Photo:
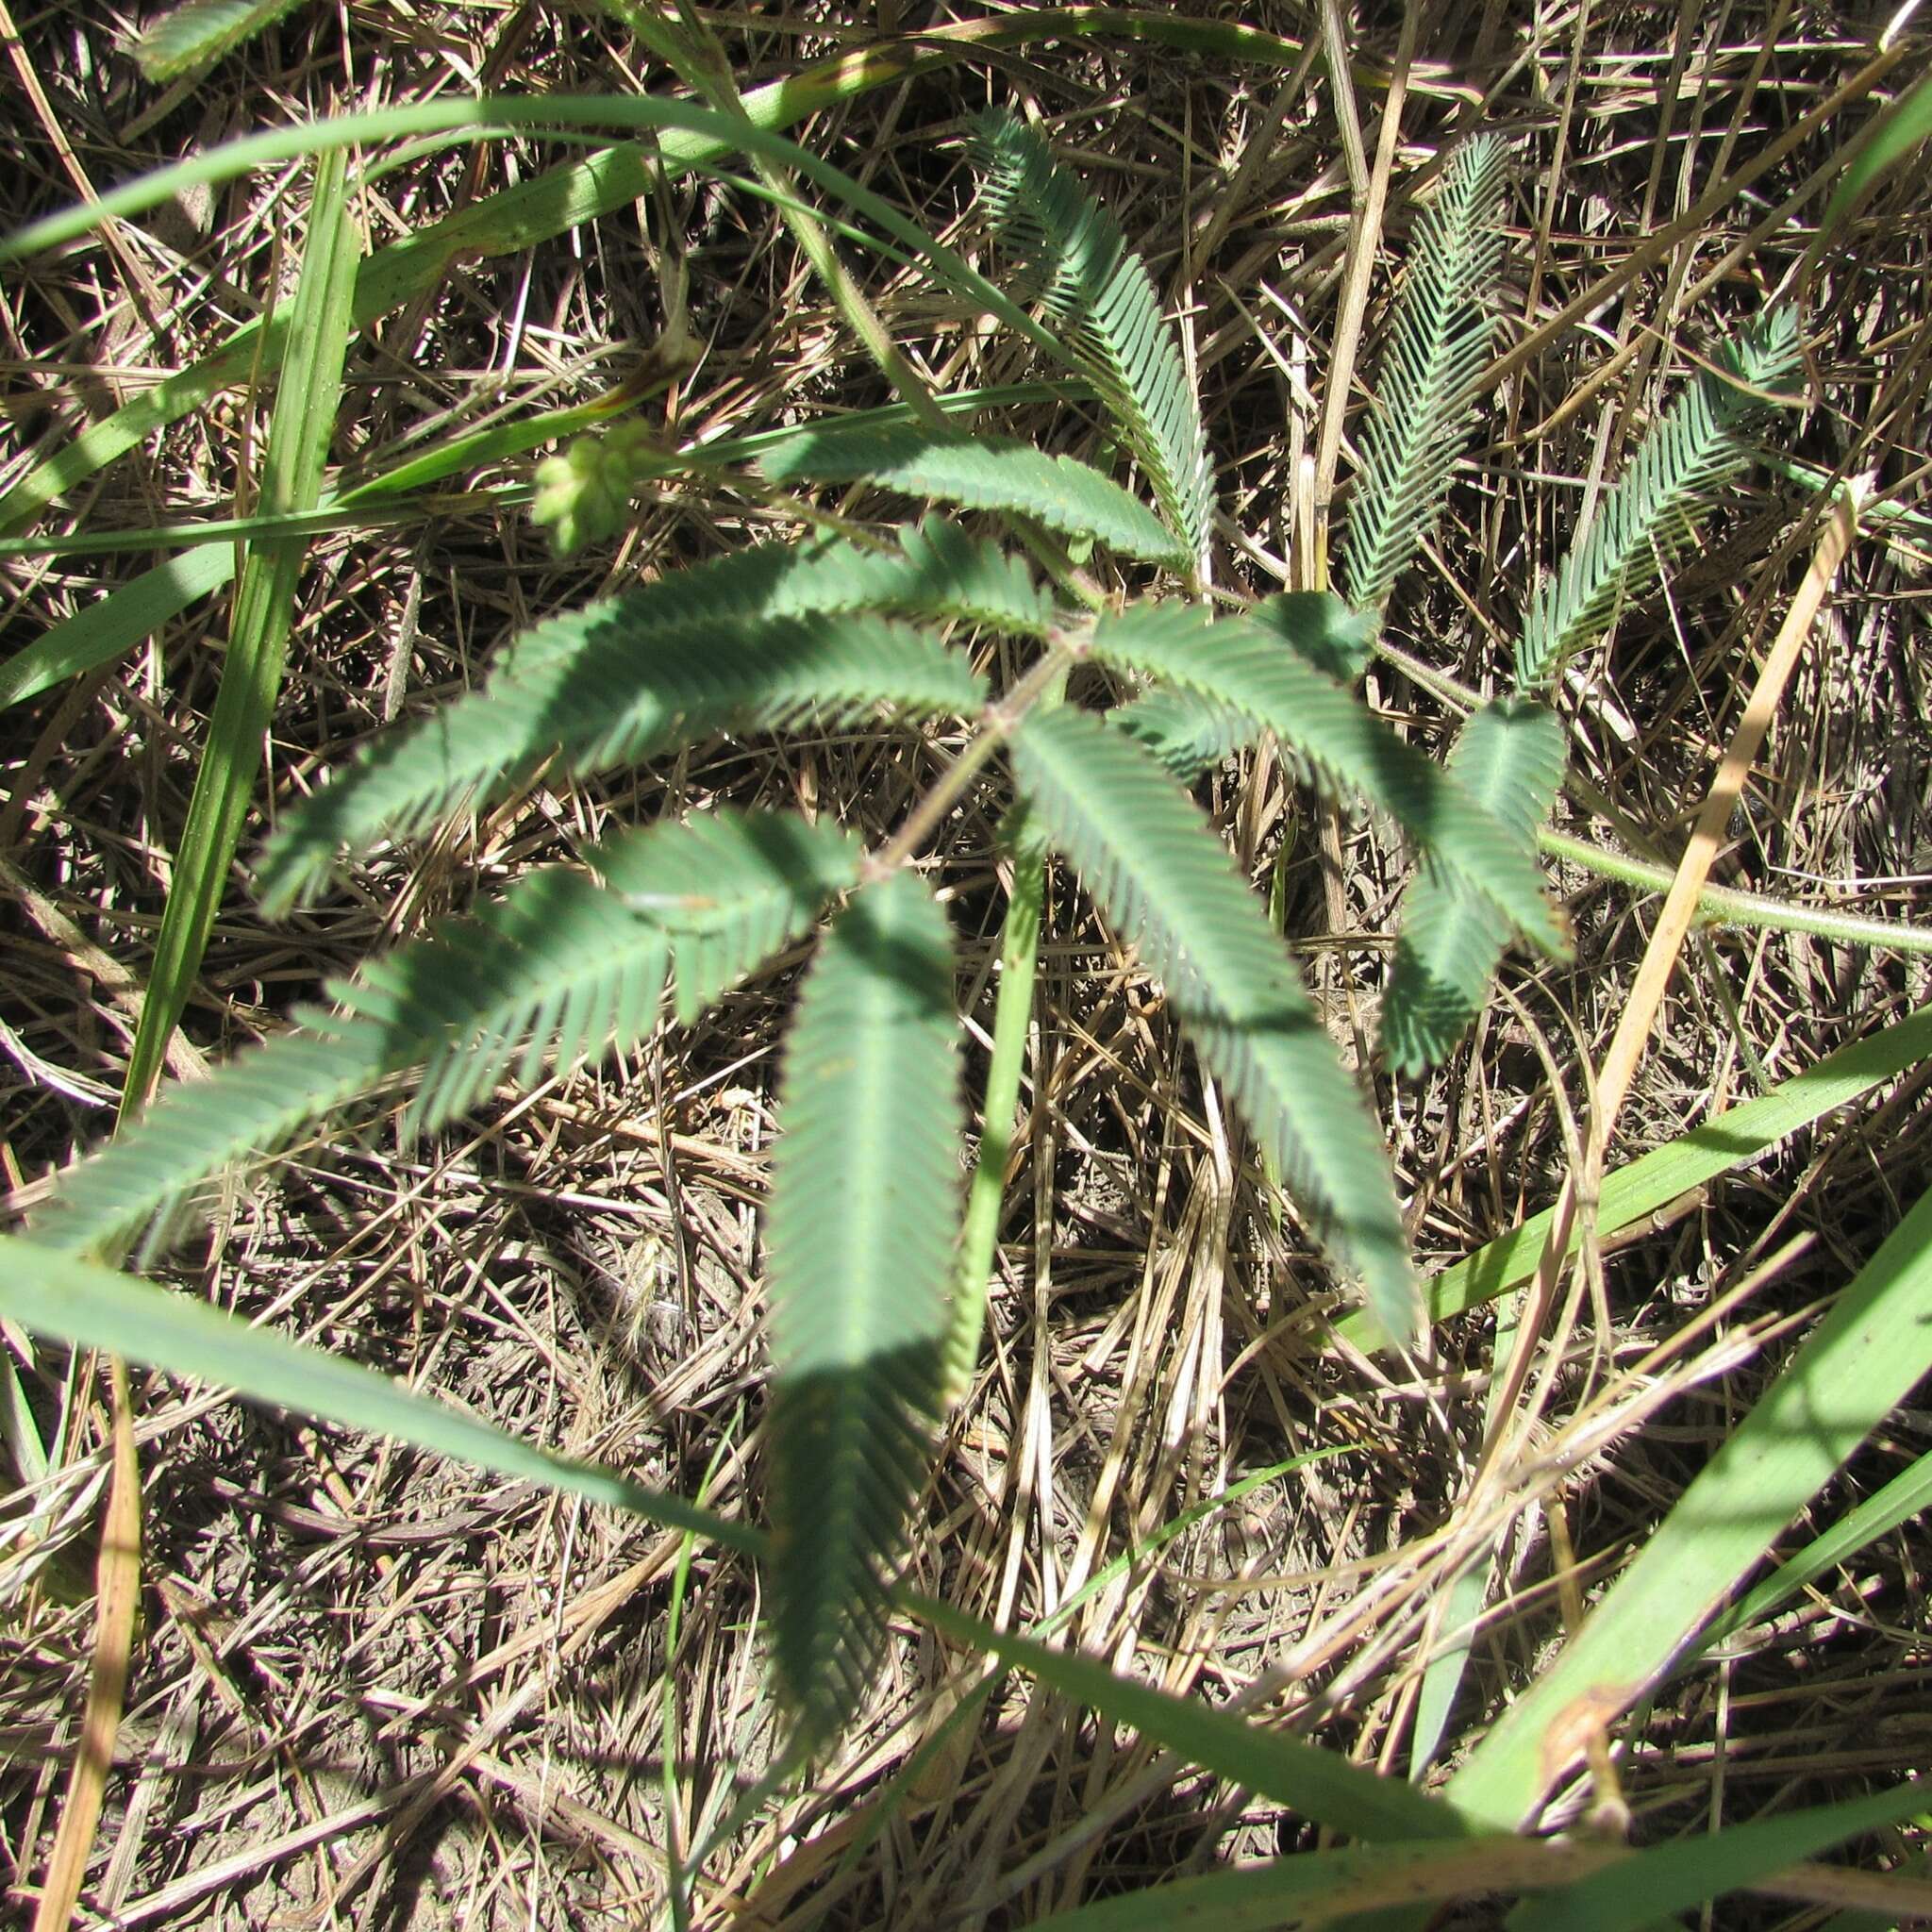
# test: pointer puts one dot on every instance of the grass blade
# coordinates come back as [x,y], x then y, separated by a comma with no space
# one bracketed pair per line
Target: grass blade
[305,415]
[116,623]
[1841,1384]
[79,1302]
[1735,1136]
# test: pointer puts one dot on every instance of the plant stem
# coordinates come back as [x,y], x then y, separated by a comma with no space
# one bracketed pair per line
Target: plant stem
[1019,962]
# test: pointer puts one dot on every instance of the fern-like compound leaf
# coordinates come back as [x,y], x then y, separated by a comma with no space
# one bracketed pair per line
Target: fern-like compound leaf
[981,473]
[606,686]
[1168,887]
[1095,289]
[561,968]
[1509,758]
[1438,347]
[1702,440]
[864,1210]
[1237,664]
[199,32]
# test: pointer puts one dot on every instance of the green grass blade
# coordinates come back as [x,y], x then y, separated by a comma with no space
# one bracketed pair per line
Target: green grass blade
[980,472]
[115,623]
[1840,1384]
[299,433]
[1168,886]
[1242,665]
[860,1230]
[1322,1785]
[1904,1498]
[1640,1893]
[1904,125]
[78,1301]
[1654,1180]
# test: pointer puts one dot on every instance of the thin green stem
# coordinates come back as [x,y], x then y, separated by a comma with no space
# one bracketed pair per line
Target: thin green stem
[1723,905]
[1012,1011]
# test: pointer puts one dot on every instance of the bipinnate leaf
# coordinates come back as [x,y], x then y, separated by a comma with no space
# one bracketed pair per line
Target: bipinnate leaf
[1187,732]
[1098,291]
[859,1238]
[1509,758]
[1169,887]
[1235,663]
[1439,341]
[561,968]
[980,472]
[606,686]
[199,32]
[1702,440]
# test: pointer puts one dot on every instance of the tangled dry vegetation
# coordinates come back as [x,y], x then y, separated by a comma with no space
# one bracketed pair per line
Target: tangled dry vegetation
[371,1689]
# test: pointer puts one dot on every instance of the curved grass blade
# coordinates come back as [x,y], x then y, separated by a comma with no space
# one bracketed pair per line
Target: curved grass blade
[87,1306]
[1509,758]
[299,435]
[1653,1181]
[1156,869]
[1838,1385]
[861,1231]
[981,473]
[1242,665]
[115,623]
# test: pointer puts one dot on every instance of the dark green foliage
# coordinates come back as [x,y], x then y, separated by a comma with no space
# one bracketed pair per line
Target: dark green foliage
[604,688]
[1438,348]
[981,473]
[1509,758]
[865,1198]
[1702,440]
[1075,264]
[1168,887]
[1240,666]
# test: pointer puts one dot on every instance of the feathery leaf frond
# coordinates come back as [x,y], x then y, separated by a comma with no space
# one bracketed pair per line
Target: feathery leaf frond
[981,473]
[1704,439]
[605,687]
[1098,291]
[560,968]
[1239,664]
[1187,732]
[1509,758]
[864,1208]
[199,32]
[1163,879]
[1439,346]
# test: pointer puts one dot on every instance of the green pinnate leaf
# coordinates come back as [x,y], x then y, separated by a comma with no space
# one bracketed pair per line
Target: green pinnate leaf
[1169,887]
[864,1210]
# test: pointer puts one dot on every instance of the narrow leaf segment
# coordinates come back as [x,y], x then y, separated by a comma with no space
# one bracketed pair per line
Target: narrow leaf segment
[1096,289]
[1438,347]
[1242,665]
[981,473]
[1167,885]
[1510,760]
[561,969]
[864,1210]
[1702,441]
